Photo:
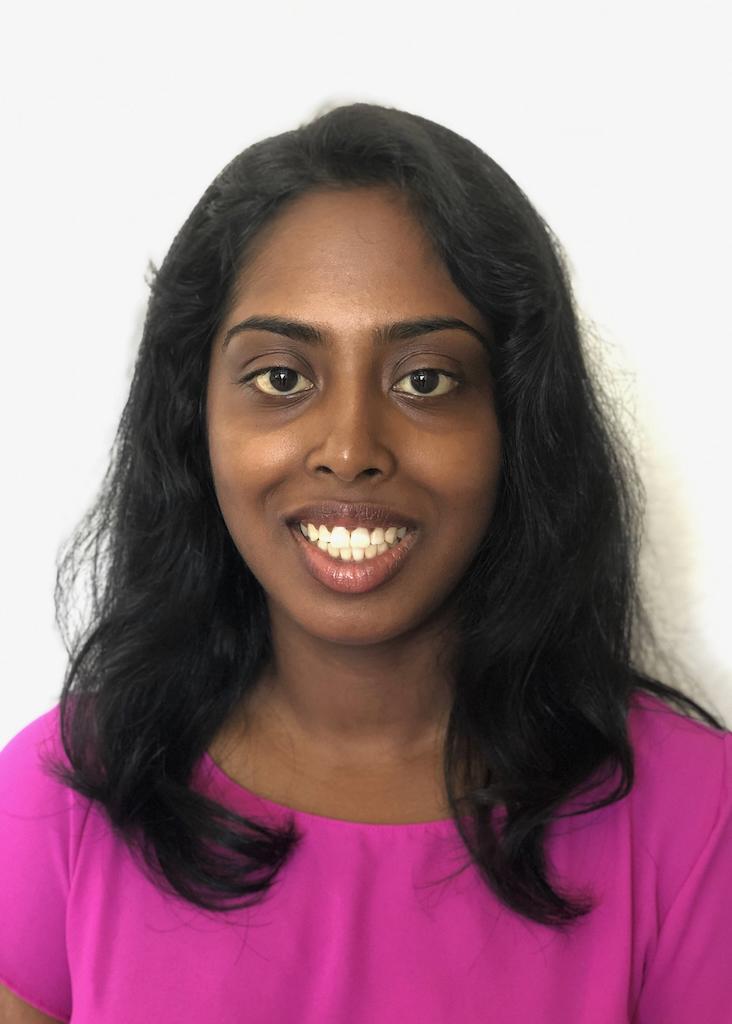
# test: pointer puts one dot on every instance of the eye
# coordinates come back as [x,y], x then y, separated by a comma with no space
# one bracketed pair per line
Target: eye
[274,380]
[278,380]
[426,379]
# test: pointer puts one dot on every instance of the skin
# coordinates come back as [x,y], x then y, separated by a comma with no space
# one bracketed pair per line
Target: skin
[14,1010]
[350,716]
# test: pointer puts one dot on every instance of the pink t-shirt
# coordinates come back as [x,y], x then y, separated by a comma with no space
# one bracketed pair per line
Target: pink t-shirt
[353,933]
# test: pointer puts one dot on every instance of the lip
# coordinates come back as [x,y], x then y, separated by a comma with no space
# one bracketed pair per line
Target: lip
[350,514]
[353,577]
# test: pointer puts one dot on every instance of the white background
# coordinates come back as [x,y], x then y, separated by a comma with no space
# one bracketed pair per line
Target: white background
[613,117]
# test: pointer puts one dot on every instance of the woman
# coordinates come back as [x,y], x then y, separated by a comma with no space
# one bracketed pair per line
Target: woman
[354,732]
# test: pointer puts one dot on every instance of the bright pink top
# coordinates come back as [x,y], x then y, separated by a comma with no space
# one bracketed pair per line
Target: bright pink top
[352,932]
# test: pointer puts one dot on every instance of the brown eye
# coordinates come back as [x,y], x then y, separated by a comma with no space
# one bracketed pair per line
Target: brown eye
[275,380]
[425,382]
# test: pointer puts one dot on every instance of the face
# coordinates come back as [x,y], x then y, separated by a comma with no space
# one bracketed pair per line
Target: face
[336,412]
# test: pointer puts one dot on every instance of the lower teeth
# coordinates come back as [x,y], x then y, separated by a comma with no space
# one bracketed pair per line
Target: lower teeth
[353,554]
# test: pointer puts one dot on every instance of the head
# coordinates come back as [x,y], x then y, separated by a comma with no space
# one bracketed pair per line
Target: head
[362,218]
[348,417]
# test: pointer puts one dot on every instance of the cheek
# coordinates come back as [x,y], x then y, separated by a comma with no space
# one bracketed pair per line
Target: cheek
[237,468]
[464,469]
[240,467]
[241,457]
[247,469]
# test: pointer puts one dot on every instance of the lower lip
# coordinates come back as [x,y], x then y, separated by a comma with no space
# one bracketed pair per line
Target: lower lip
[353,577]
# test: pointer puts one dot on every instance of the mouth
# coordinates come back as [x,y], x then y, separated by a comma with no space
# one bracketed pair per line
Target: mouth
[357,575]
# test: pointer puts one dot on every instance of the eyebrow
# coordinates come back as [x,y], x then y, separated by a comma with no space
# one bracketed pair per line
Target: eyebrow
[399,330]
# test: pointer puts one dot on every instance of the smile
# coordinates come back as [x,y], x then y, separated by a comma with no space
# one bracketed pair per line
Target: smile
[370,564]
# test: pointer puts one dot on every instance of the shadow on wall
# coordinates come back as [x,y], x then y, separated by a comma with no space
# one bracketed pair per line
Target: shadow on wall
[672,577]
[672,582]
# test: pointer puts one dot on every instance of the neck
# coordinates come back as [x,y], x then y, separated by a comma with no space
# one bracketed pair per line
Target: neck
[384,703]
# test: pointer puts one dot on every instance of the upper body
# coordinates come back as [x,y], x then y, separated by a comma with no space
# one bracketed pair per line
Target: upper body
[365,504]
[356,931]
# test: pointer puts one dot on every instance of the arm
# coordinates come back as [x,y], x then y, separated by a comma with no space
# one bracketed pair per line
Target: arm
[688,977]
[40,824]
[14,1010]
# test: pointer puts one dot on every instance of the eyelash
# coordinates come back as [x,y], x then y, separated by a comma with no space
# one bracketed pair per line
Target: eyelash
[249,379]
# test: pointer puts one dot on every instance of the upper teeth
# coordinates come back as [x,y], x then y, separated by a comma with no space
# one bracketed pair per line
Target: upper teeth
[359,542]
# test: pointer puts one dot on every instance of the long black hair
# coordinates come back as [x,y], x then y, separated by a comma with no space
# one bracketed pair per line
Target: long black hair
[176,629]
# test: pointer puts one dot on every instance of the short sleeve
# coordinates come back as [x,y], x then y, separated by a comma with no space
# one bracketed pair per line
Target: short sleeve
[39,818]
[689,975]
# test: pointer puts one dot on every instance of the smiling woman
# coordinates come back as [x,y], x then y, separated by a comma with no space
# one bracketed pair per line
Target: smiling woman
[365,601]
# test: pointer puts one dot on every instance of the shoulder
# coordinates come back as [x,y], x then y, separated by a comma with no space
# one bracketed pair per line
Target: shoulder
[23,758]
[43,729]
[679,761]
[681,800]
[29,790]
[680,818]
[675,754]
[42,823]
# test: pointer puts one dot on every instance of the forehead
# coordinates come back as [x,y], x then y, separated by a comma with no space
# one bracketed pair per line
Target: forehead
[357,246]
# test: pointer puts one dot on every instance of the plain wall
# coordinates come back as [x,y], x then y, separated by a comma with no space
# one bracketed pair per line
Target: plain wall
[612,117]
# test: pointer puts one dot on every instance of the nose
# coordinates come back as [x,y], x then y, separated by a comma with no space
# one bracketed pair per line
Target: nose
[350,434]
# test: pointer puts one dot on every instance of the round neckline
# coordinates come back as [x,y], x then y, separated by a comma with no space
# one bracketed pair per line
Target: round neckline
[283,809]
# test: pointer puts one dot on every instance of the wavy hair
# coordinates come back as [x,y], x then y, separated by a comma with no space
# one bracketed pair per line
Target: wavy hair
[175,630]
